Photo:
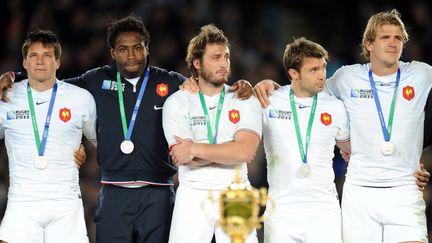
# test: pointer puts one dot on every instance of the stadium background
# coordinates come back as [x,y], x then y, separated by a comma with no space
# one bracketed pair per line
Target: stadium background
[258,33]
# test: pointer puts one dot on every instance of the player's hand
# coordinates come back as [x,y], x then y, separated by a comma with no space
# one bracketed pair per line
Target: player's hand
[422,177]
[6,81]
[181,152]
[242,88]
[80,156]
[190,85]
[264,89]
[346,156]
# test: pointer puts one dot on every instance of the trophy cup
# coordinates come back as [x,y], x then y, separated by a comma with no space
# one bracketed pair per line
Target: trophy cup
[239,209]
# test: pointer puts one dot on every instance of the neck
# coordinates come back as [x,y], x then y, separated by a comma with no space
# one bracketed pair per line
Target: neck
[301,93]
[41,85]
[382,69]
[208,88]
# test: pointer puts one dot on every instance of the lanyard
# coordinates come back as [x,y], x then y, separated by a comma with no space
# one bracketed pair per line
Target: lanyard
[127,132]
[386,131]
[40,146]
[303,150]
[212,140]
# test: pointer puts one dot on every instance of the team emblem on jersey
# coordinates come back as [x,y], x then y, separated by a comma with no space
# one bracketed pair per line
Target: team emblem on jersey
[65,114]
[234,116]
[326,118]
[162,89]
[408,92]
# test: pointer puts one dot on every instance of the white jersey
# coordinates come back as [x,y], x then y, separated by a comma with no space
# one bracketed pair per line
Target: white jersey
[330,123]
[74,113]
[368,166]
[183,116]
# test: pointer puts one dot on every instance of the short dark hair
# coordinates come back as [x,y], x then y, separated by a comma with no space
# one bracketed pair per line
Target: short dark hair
[127,24]
[297,50]
[46,37]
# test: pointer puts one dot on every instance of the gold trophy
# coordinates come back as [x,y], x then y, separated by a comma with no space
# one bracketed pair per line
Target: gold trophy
[239,209]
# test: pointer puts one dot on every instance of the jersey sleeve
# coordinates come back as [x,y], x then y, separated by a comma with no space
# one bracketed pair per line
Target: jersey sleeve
[175,118]
[89,123]
[2,132]
[428,122]
[333,84]
[251,116]
[344,132]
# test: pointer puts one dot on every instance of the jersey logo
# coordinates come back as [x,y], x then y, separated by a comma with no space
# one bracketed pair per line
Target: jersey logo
[18,115]
[362,93]
[111,85]
[234,116]
[408,92]
[326,118]
[65,114]
[162,89]
[280,114]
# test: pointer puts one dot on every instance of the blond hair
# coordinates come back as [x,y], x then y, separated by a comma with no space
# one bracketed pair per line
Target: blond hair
[391,17]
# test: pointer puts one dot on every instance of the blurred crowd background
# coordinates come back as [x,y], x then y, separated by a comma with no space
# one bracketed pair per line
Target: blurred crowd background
[258,33]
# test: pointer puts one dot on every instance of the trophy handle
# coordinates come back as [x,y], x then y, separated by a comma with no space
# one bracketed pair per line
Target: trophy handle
[265,199]
[206,204]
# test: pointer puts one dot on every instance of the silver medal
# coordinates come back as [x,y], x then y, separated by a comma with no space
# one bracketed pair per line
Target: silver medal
[41,162]
[127,146]
[304,170]
[387,148]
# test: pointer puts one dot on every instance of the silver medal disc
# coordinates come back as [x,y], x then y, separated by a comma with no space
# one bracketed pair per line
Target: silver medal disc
[41,162]
[127,146]
[387,148]
[304,170]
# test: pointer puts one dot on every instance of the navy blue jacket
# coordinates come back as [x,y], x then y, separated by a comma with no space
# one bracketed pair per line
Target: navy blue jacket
[150,160]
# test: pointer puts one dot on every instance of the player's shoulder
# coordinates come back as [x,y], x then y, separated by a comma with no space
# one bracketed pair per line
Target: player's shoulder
[353,68]
[330,100]
[168,76]
[414,66]
[283,91]
[73,90]
[179,97]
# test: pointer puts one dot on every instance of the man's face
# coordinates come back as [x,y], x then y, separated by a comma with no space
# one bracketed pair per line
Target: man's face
[312,75]
[215,65]
[130,53]
[40,63]
[387,46]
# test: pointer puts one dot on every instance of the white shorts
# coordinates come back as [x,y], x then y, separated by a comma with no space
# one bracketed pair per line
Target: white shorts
[43,224]
[195,222]
[394,214]
[305,227]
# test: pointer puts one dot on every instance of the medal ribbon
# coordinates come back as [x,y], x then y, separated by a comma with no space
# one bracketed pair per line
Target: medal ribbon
[303,150]
[386,131]
[127,132]
[40,146]
[212,140]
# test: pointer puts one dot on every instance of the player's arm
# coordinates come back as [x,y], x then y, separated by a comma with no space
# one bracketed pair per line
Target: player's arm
[264,89]
[345,149]
[242,149]
[80,156]
[422,175]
